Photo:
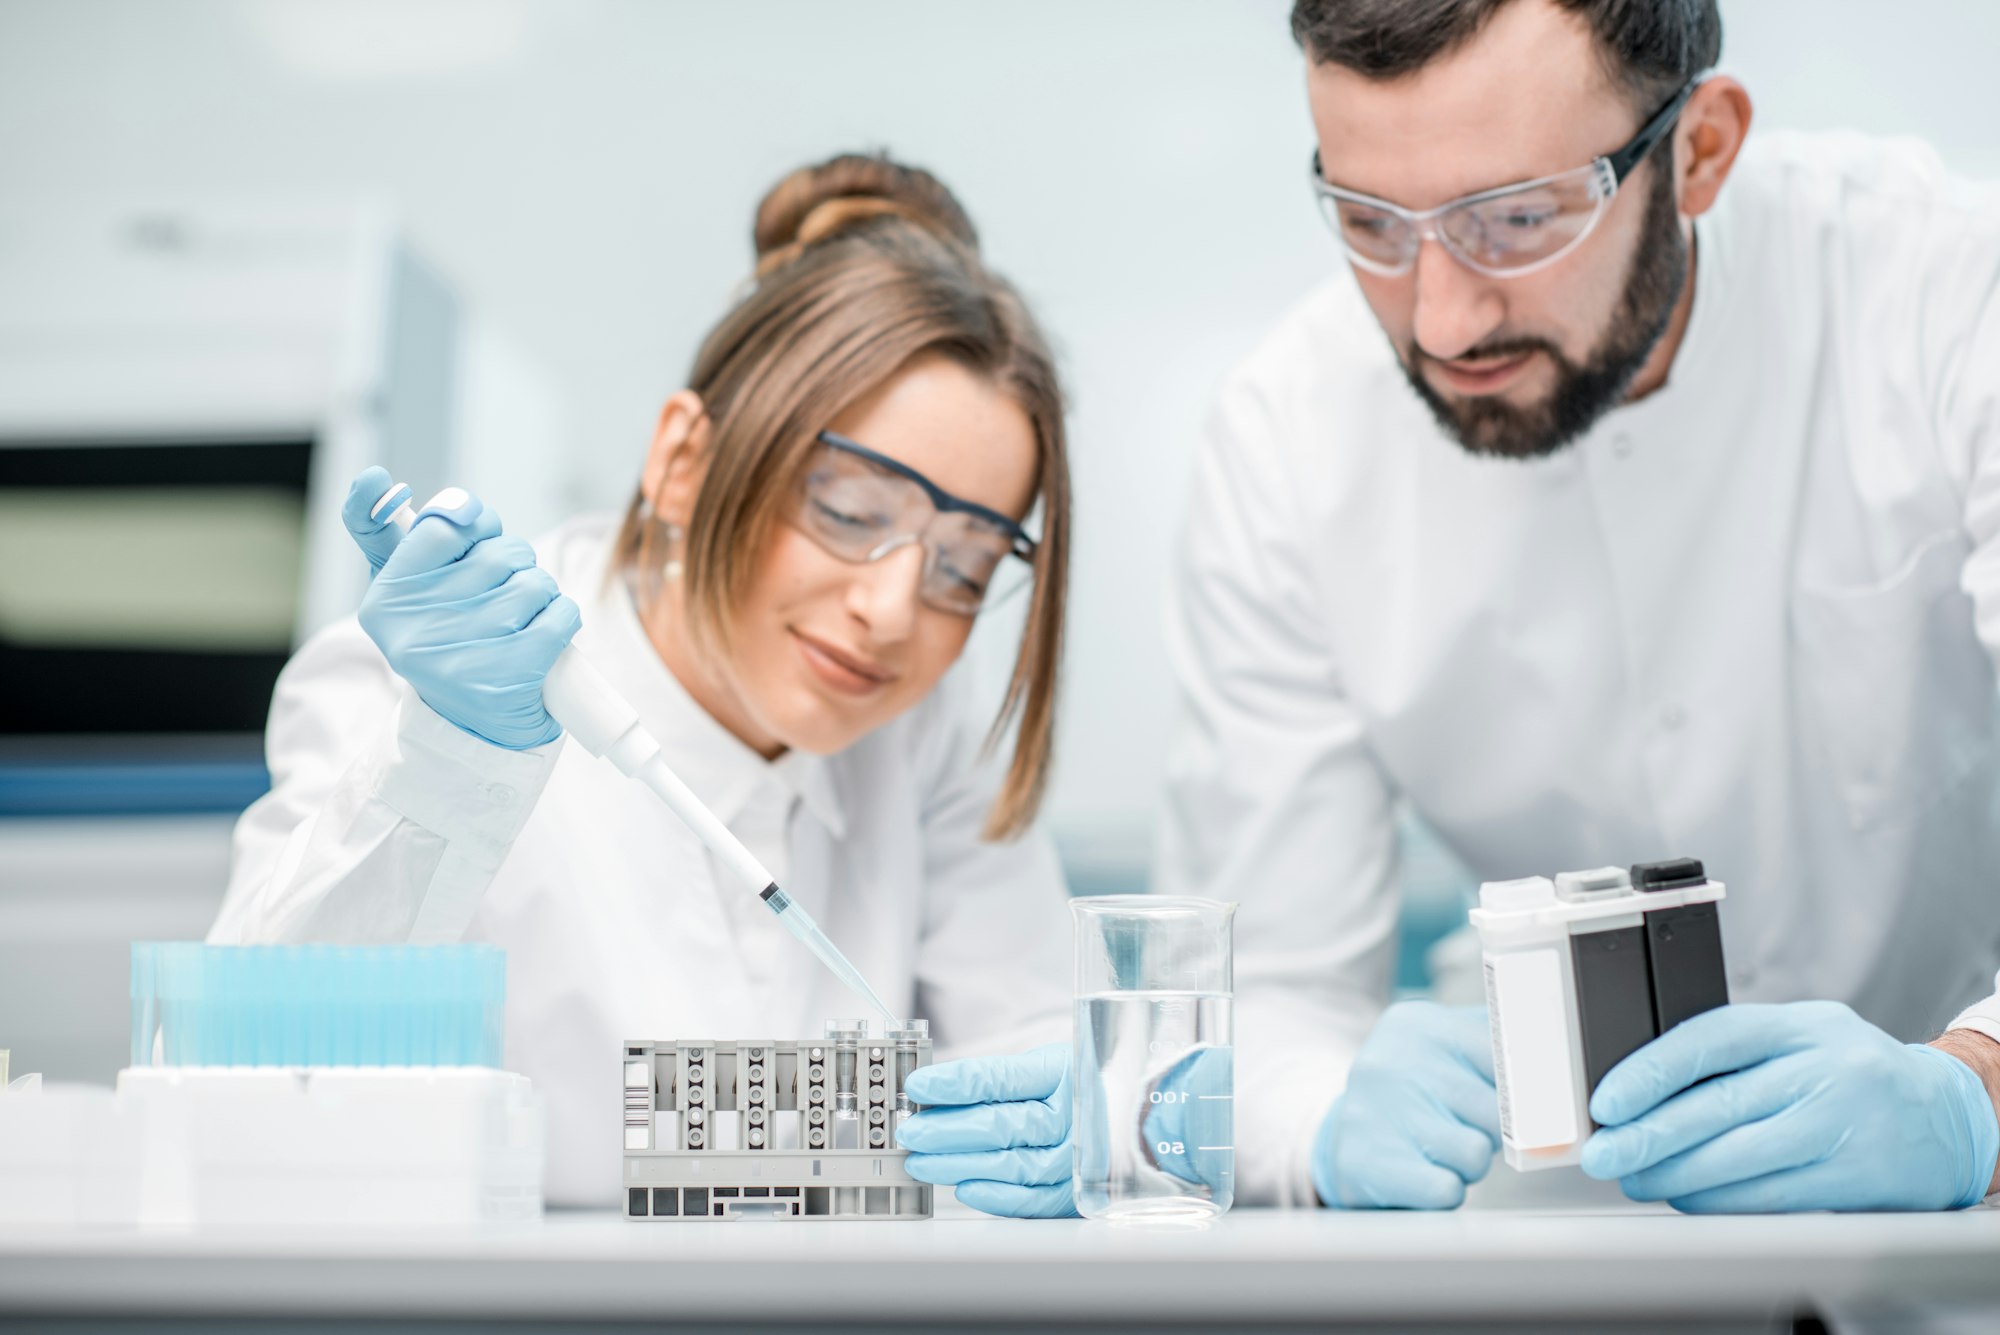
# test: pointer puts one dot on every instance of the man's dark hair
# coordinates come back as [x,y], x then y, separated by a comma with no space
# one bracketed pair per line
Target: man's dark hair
[1649,47]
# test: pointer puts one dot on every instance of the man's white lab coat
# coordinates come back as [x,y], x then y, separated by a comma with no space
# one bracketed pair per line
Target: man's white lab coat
[1750,618]
[386,823]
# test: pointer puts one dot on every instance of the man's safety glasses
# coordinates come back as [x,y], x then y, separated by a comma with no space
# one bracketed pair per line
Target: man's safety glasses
[861,506]
[1504,232]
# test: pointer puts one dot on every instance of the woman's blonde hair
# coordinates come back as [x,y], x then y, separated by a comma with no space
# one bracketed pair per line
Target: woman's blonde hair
[862,265]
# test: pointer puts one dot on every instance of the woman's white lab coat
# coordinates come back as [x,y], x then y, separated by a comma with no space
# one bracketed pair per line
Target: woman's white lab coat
[386,823]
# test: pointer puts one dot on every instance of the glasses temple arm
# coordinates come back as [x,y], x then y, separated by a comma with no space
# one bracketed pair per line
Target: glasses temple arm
[1650,134]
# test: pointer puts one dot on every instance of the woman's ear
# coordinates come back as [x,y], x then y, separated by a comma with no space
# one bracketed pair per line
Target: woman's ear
[678,458]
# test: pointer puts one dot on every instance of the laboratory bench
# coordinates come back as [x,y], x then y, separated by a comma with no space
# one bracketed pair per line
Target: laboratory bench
[1632,1269]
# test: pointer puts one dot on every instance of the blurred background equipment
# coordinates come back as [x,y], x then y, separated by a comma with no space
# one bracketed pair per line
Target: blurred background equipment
[184,395]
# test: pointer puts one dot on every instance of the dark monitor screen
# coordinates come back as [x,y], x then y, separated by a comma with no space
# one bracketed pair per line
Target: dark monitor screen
[149,587]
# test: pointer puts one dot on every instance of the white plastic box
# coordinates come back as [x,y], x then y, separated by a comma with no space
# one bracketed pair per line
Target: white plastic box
[275,1146]
[341,1145]
[70,1154]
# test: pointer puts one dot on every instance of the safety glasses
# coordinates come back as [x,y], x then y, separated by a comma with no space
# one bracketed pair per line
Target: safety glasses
[1504,232]
[861,506]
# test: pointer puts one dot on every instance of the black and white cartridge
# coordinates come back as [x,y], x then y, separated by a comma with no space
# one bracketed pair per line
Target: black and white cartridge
[1580,972]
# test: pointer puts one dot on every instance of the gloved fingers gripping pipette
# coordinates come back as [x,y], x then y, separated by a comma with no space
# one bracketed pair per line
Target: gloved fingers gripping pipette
[578,698]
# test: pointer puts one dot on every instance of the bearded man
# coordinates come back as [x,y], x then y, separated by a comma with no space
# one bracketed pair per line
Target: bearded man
[1634,493]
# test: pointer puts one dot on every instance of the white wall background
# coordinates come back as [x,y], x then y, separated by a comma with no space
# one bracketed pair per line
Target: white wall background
[585,171]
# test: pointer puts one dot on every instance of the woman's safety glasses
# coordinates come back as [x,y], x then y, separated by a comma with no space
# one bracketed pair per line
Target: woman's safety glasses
[861,506]
[1504,232]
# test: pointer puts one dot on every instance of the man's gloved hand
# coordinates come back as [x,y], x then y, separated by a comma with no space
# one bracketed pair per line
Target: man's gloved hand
[1798,1107]
[1420,1117]
[463,614]
[997,1129]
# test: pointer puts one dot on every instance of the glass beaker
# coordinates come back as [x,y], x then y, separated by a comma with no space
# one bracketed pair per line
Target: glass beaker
[1154,1088]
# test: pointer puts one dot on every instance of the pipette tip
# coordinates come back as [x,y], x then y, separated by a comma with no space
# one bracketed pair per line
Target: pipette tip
[801,925]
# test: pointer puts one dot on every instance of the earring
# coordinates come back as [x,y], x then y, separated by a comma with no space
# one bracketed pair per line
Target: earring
[672,567]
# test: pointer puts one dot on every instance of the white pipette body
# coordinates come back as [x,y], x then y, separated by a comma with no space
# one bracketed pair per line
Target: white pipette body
[604,723]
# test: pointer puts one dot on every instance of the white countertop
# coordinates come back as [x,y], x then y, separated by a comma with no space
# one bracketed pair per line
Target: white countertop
[1249,1266]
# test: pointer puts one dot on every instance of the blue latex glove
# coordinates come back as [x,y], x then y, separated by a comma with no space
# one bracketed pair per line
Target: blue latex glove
[1420,1117]
[1798,1107]
[366,513]
[997,1129]
[463,614]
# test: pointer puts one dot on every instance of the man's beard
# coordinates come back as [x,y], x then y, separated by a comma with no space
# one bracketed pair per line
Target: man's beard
[1582,393]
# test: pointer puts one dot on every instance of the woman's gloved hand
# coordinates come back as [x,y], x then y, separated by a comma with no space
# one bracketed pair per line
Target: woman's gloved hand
[463,613]
[1804,1106]
[997,1129]
[366,513]
[1420,1117]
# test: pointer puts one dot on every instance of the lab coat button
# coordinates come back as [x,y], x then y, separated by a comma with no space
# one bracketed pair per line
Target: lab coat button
[1672,718]
[1621,445]
[499,792]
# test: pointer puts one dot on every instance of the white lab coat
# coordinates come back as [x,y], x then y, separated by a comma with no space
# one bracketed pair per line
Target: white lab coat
[1750,618]
[386,823]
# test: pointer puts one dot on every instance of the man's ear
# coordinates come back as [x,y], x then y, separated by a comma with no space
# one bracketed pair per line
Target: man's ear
[677,460]
[1707,138]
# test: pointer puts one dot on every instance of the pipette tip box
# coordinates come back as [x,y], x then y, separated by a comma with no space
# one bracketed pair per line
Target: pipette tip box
[317,1005]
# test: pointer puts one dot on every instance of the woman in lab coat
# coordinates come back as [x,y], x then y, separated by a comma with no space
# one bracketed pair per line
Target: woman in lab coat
[820,516]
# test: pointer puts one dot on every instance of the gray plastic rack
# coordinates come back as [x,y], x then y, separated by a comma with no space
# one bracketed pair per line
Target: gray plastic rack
[772,1129]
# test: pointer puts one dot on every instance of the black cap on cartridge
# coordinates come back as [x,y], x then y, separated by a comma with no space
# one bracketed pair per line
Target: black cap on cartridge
[1673,874]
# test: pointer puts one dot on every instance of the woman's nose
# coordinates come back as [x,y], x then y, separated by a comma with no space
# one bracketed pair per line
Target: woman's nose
[884,593]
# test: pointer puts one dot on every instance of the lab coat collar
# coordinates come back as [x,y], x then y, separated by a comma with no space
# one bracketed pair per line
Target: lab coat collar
[717,765]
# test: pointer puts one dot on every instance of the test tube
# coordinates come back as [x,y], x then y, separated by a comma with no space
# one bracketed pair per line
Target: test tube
[753,1097]
[846,1036]
[815,1104]
[878,1096]
[909,1038]
[694,1095]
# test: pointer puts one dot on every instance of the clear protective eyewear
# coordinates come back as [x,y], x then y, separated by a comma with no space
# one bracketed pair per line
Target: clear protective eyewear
[1504,232]
[861,506]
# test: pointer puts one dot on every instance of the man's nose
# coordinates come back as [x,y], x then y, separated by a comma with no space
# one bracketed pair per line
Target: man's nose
[1455,308]
[883,593]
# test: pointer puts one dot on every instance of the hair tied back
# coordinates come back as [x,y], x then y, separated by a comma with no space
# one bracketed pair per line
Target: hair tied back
[819,203]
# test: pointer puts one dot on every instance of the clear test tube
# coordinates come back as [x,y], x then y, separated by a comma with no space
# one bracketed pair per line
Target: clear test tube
[846,1037]
[909,1038]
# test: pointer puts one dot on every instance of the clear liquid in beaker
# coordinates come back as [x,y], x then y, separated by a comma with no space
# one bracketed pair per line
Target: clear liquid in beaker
[1155,1125]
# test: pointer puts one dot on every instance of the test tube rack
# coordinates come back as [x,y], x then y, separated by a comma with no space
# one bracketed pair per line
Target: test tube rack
[772,1129]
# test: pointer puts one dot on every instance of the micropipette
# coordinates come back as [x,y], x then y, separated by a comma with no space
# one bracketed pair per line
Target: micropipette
[592,711]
